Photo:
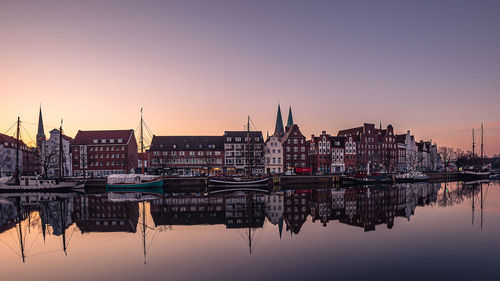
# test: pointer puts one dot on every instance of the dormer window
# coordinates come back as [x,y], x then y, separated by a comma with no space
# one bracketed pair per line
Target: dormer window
[103,140]
[95,140]
[228,139]
[237,139]
[111,141]
[120,140]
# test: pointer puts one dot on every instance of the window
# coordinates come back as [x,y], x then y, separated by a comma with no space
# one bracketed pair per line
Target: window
[237,139]
[257,138]
[295,141]
[103,140]
[228,139]
[95,140]
[181,152]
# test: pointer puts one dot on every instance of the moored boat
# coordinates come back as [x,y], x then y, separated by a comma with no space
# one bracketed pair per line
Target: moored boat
[239,181]
[133,181]
[35,183]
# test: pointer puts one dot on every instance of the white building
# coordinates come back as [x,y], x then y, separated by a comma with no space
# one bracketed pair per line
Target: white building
[50,155]
[273,151]
[275,205]
[274,155]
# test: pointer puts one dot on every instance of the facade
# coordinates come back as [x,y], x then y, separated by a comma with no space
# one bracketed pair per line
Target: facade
[28,157]
[295,149]
[401,144]
[388,150]
[338,155]
[274,150]
[49,152]
[101,153]
[187,155]
[241,147]
[320,153]
[369,149]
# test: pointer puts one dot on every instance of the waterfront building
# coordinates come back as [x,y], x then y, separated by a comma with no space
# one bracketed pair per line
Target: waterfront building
[295,149]
[50,153]
[369,149]
[101,153]
[388,150]
[243,152]
[338,155]
[28,157]
[320,206]
[320,153]
[245,210]
[401,159]
[363,148]
[274,208]
[274,149]
[187,155]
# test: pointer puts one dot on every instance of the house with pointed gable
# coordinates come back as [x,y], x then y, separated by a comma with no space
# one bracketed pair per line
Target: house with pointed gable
[273,149]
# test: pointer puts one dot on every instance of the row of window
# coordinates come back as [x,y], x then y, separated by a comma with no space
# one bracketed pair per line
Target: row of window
[190,153]
[107,140]
[239,139]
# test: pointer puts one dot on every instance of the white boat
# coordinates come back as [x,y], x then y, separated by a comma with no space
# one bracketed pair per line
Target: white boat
[411,176]
[134,181]
[32,183]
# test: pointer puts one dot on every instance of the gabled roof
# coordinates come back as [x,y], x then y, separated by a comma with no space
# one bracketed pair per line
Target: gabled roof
[401,138]
[88,137]
[187,143]
[10,140]
[70,139]
[350,132]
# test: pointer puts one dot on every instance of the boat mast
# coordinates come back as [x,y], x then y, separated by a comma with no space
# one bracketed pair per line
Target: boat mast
[142,145]
[61,173]
[17,153]
[248,147]
[482,147]
[473,148]
[144,230]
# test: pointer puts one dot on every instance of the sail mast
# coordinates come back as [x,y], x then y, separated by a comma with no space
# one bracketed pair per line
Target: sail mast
[482,146]
[248,147]
[17,152]
[473,148]
[61,173]
[142,146]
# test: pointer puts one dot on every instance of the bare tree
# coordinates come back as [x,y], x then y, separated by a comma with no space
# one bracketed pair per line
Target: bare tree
[4,160]
[447,154]
[47,160]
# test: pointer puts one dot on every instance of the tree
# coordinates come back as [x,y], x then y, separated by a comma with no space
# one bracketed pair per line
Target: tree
[4,160]
[447,154]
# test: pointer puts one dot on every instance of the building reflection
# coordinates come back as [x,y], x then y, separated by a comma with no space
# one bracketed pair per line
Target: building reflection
[363,207]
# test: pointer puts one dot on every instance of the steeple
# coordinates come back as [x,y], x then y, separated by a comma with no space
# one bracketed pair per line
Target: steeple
[289,123]
[40,135]
[278,129]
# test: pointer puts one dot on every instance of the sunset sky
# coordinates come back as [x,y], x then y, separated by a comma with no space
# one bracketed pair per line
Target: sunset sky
[200,67]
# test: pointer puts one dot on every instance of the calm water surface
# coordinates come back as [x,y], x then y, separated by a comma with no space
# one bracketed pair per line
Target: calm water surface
[404,232]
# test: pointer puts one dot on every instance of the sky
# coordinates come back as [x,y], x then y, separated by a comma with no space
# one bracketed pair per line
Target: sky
[201,67]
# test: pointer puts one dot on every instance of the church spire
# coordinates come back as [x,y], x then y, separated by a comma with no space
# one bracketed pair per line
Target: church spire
[278,129]
[40,135]
[289,123]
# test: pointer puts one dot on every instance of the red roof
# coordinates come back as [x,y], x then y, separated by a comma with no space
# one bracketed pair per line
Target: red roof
[12,141]
[88,137]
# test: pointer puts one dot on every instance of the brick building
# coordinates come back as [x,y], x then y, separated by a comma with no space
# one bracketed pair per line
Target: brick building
[100,153]
[338,155]
[320,153]
[187,155]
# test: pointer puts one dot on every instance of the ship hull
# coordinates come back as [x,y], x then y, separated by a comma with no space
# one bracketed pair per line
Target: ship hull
[137,186]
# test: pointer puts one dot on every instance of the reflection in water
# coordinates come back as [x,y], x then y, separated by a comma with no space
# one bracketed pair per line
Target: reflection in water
[149,214]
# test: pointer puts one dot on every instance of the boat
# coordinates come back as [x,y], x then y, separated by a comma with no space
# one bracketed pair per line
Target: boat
[495,176]
[133,181]
[411,177]
[475,173]
[238,181]
[248,180]
[37,183]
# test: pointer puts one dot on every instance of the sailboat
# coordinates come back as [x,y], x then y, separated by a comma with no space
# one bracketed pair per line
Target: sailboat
[249,179]
[476,173]
[135,181]
[36,183]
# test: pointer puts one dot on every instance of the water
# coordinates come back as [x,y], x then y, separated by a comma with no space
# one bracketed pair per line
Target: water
[405,232]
